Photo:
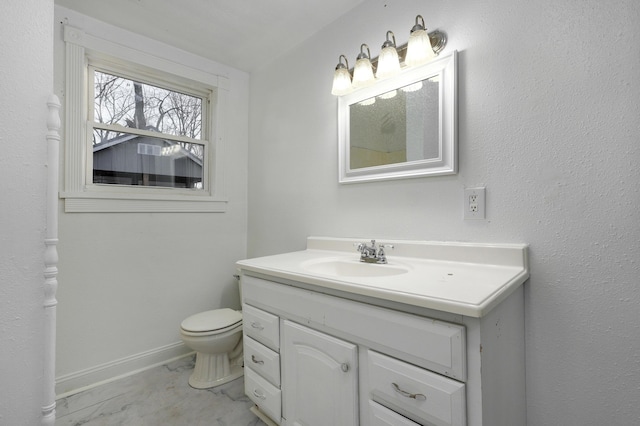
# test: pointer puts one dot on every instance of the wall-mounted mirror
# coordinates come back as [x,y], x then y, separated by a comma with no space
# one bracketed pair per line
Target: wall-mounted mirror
[401,127]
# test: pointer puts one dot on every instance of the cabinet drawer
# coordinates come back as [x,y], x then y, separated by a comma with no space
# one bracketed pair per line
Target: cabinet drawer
[263,394]
[262,326]
[381,416]
[263,360]
[414,392]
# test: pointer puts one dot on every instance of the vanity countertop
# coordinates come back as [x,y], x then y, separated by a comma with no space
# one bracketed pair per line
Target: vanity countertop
[462,278]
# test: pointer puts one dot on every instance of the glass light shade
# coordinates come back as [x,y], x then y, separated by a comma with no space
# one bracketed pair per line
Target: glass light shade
[389,95]
[412,87]
[388,62]
[419,48]
[368,102]
[363,73]
[341,82]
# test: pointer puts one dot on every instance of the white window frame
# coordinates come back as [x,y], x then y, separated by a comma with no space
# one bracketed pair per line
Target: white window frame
[80,194]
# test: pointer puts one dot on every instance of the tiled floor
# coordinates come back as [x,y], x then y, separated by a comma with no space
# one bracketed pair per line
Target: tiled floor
[159,396]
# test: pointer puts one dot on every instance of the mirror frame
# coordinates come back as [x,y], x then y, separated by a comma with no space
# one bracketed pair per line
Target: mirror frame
[447,161]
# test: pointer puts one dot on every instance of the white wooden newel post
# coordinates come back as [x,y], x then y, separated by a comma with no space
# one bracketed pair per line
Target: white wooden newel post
[51,263]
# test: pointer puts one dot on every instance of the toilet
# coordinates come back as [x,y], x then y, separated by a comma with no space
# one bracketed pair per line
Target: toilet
[216,336]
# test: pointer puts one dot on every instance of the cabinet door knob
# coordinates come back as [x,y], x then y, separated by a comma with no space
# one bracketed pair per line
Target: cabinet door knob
[416,396]
[257,325]
[256,360]
[344,367]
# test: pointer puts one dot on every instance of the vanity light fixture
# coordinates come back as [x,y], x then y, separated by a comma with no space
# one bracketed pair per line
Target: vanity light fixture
[341,78]
[421,48]
[388,61]
[363,71]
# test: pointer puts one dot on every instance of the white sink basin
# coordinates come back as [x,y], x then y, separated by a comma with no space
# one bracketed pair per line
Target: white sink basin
[352,268]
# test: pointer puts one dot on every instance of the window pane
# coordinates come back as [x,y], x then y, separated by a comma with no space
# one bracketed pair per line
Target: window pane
[128,103]
[127,159]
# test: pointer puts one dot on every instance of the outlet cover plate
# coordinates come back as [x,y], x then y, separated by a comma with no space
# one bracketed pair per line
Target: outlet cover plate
[474,203]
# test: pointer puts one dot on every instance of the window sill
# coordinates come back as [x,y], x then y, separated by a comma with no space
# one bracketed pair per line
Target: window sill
[117,203]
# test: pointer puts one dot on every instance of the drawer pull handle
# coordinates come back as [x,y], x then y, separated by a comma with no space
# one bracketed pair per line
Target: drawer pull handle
[416,396]
[256,360]
[257,394]
[257,325]
[344,367]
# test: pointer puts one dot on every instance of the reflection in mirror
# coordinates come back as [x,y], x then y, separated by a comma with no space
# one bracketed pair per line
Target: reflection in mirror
[401,127]
[397,126]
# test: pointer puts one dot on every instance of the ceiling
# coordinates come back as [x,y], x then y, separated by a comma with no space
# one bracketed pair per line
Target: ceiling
[239,33]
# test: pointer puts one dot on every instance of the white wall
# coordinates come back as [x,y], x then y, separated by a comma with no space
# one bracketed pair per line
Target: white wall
[26,69]
[548,121]
[128,280]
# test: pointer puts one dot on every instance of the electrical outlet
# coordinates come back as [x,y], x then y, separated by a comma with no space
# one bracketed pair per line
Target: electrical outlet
[474,203]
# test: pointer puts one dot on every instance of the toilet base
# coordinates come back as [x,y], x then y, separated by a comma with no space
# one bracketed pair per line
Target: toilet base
[213,370]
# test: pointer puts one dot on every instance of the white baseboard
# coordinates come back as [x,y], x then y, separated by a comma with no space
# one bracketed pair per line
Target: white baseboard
[79,381]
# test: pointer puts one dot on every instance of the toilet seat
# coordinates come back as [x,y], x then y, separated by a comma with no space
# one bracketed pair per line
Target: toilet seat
[217,320]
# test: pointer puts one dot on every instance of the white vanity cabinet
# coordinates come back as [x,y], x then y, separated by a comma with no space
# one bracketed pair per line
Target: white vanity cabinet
[435,339]
[344,362]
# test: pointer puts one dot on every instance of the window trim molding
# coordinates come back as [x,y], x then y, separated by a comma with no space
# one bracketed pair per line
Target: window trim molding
[79,194]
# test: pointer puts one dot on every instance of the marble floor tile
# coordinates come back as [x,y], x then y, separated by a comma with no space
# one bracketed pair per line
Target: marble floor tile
[159,396]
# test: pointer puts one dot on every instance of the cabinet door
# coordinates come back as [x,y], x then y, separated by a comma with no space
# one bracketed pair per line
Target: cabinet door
[319,378]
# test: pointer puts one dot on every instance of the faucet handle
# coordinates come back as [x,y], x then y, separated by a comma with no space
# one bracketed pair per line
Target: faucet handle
[381,248]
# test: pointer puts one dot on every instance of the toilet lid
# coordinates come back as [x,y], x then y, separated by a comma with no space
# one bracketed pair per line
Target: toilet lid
[211,320]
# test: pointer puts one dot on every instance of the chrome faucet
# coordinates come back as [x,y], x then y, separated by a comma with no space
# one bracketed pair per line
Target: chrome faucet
[372,253]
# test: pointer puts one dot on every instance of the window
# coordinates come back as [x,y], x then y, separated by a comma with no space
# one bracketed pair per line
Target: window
[142,133]
[146,135]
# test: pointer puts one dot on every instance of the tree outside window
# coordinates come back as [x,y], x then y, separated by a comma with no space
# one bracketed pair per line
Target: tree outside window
[146,135]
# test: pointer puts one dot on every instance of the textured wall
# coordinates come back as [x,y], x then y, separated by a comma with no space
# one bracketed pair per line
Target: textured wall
[127,280]
[26,72]
[548,121]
